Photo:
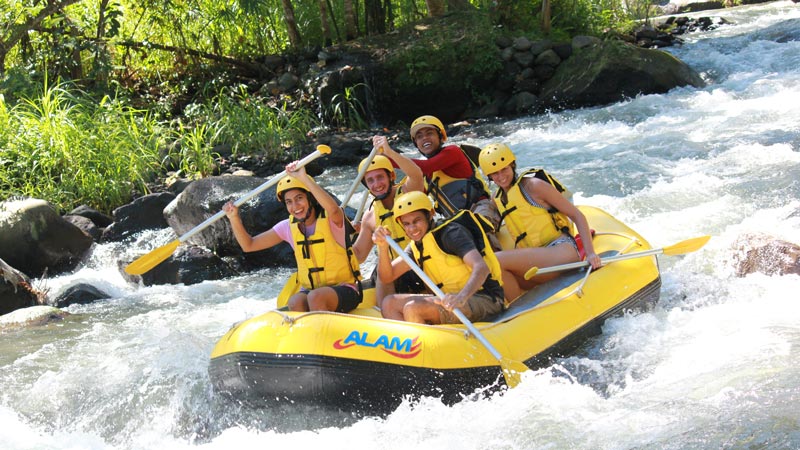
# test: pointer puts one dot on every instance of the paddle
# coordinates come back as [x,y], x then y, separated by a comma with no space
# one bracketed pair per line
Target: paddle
[155,257]
[361,207]
[511,368]
[680,248]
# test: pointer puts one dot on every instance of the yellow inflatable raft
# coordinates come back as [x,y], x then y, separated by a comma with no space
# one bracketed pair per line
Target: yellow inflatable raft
[361,360]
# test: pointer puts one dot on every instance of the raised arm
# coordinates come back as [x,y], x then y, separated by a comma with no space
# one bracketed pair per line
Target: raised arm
[325,200]
[415,180]
[249,243]
[363,243]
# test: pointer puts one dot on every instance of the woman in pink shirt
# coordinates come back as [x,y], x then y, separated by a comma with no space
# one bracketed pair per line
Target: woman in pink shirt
[328,272]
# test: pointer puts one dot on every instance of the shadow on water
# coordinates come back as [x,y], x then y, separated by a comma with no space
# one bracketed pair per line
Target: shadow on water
[223,413]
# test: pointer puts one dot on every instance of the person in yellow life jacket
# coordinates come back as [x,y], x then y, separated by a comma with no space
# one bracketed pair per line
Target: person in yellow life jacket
[451,255]
[452,178]
[535,213]
[327,269]
[380,179]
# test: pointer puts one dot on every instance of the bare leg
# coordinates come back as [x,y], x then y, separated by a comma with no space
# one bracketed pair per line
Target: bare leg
[382,290]
[392,306]
[516,262]
[421,310]
[298,302]
[323,299]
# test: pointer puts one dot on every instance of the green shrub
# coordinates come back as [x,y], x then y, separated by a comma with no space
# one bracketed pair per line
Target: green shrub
[461,56]
[63,147]
[347,109]
[249,125]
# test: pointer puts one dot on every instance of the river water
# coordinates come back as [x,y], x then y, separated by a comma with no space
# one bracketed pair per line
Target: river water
[714,365]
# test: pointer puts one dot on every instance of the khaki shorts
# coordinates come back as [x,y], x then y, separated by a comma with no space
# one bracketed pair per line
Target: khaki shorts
[488,209]
[478,307]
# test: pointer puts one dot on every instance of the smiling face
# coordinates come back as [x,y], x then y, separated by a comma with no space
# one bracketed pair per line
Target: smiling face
[297,203]
[427,140]
[415,224]
[378,182]
[503,177]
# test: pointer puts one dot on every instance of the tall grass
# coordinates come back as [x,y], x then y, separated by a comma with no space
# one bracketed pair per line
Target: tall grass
[65,148]
[250,125]
[347,109]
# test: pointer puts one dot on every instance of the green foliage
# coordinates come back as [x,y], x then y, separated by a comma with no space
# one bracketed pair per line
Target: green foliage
[89,145]
[249,125]
[347,110]
[461,55]
[194,150]
[65,148]
[598,17]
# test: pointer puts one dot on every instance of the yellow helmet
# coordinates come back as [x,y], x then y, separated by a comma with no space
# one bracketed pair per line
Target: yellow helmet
[410,202]
[378,162]
[287,183]
[495,157]
[428,121]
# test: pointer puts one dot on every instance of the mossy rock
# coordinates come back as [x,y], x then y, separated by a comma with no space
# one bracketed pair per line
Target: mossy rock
[612,71]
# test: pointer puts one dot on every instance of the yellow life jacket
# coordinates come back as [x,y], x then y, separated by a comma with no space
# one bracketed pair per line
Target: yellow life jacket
[532,226]
[454,194]
[385,217]
[321,261]
[449,271]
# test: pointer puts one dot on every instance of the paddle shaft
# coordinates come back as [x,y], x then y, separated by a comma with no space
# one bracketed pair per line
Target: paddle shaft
[687,246]
[361,207]
[360,175]
[604,261]
[439,293]
[272,181]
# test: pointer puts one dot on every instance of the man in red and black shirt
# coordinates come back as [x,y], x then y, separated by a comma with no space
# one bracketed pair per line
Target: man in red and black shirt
[451,177]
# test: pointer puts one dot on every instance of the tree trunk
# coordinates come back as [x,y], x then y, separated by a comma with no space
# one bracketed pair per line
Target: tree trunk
[291,23]
[333,19]
[387,6]
[323,20]
[350,29]
[375,20]
[436,8]
[546,16]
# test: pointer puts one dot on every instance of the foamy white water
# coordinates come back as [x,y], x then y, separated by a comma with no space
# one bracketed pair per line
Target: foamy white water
[713,366]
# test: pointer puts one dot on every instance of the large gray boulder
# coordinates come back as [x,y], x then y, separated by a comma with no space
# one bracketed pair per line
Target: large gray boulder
[611,71]
[144,213]
[204,198]
[189,264]
[35,239]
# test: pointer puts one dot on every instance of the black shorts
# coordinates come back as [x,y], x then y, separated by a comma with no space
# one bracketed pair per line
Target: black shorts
[349,298]
[407,283]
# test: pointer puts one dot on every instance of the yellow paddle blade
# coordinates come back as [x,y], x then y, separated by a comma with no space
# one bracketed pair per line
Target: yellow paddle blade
[531,272]
[291,287]
[687,246]
[152,259]
[512,371]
